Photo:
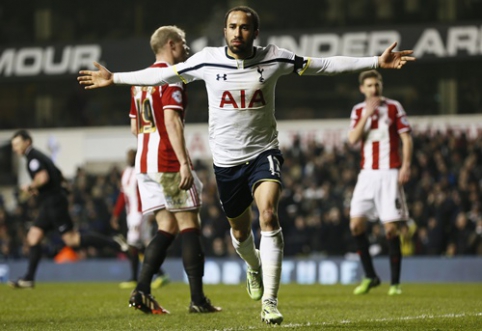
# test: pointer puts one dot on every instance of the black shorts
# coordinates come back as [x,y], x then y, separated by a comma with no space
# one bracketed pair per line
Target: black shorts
[236,184]
[54,214]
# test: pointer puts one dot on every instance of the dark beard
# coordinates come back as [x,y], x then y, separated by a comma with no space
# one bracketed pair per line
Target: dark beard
[242,49]
[237,49]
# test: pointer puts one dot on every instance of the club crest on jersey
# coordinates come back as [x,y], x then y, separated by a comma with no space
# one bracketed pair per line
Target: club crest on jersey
[223,76]
[177,95]
[260,71]
[238,99]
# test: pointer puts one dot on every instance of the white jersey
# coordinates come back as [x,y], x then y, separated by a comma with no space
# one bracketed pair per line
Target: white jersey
[241,93]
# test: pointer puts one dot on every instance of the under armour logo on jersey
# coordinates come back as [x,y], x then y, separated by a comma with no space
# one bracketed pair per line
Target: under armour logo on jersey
[261,79]
[224,77]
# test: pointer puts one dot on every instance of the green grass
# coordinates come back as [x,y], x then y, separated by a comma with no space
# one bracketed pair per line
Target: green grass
[103,306]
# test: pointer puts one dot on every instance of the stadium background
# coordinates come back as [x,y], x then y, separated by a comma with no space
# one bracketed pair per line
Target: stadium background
[44,43]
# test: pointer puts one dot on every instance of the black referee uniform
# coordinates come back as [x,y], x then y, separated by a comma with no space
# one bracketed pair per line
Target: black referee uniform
[52,197]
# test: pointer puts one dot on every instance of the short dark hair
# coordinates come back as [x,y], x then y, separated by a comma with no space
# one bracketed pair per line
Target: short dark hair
[369,74]
[24,134]
[247,10]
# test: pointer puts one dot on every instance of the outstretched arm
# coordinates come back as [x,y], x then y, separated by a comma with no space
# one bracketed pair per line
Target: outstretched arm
[338,64]
[394,60]
[151,76]
[94,79]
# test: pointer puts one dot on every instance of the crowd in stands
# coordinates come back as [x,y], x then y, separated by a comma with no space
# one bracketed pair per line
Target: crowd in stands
[443,195]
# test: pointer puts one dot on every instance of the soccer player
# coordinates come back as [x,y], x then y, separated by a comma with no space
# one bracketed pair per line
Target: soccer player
[48,186]
[379,124]
[168,186]
[240,79]
[138,225]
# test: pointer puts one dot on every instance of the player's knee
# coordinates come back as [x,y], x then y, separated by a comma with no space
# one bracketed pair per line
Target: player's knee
[355,231]
[391,231]
[70,242]
[241,234]
[32,241]
[268,219]
[70,239]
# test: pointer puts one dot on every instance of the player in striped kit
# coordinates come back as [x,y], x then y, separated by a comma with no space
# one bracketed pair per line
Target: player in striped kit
[168,186]
[240,79]
[138,225]
[380,124]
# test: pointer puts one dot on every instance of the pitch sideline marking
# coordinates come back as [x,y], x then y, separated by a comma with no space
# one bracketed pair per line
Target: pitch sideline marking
[405,318]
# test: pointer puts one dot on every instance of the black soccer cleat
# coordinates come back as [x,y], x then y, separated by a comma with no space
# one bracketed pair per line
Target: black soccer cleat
[205,307]
[146,303]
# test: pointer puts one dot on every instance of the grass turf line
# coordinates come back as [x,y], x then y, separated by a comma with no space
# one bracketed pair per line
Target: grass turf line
[103,306]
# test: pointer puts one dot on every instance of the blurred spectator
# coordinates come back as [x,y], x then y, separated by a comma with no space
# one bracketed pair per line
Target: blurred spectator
[463,238]
[444,201]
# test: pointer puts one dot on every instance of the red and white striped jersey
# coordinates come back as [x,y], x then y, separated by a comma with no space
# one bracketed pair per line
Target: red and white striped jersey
[380,147]
[129,196]
[154,150]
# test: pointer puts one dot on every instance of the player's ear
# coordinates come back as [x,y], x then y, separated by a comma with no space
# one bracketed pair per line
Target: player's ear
[172,44]
[256,33]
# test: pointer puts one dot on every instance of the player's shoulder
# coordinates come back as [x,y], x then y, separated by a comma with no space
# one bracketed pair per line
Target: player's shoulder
[36,154]
[395,103]
[272,50]
[37,160]
[359,106]
[391,101]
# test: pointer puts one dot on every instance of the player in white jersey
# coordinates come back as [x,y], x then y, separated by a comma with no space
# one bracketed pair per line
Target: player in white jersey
[380,124]
[240,79]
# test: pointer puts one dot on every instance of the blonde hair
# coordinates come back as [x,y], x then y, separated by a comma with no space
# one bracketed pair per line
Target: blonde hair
[162,35]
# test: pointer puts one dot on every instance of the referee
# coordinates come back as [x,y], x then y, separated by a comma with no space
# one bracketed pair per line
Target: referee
[47,186]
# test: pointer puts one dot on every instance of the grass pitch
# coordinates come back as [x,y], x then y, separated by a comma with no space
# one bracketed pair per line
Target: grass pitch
[103,306]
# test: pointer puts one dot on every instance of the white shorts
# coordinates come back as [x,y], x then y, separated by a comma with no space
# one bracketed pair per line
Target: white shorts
[138,229]
[161,190]
[378,195]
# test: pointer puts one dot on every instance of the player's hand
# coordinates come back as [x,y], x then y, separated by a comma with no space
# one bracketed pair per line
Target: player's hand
[187,178]
[372,104]
[28,190]
[94,79]
[114,223]
[404,174]
[394,60]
